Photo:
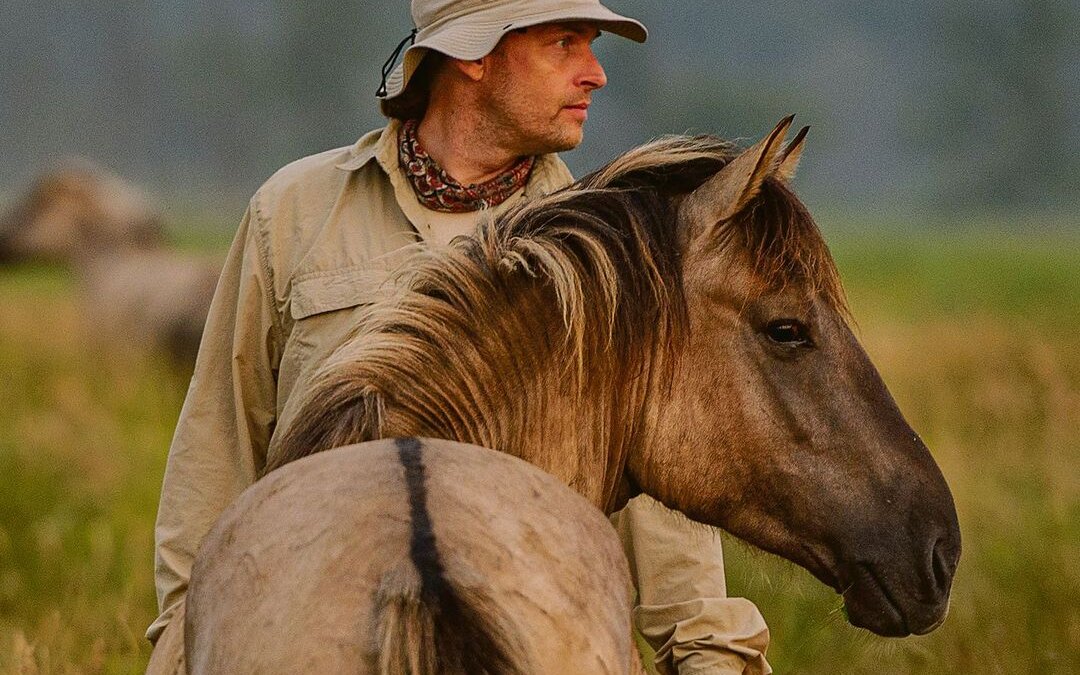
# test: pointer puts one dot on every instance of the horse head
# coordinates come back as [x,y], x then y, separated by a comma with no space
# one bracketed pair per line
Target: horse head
[775,425]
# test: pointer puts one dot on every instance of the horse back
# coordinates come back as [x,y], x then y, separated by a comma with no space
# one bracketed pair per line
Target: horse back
[410,556]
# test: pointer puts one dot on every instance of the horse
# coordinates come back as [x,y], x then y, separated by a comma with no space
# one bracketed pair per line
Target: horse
[76,207]
[672,324]
[132,288]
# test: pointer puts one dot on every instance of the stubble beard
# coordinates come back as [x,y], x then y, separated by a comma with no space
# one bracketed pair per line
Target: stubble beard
[526,130]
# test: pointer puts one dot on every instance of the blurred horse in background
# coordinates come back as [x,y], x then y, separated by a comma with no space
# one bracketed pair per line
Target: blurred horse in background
[79,209]
[134,290]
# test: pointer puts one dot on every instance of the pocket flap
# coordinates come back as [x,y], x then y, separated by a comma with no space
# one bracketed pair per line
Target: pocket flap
[330,291]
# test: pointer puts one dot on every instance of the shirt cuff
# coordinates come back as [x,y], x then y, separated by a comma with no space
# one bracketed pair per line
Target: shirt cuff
[708,636]
[153,633]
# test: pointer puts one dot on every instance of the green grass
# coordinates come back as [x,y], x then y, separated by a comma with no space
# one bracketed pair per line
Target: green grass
[83,435]
[975,335]
[1004,275]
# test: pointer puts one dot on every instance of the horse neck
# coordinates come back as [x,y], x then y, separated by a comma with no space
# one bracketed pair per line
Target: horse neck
[511,388]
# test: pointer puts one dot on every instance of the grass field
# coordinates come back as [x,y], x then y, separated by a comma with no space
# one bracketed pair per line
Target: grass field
[978,337]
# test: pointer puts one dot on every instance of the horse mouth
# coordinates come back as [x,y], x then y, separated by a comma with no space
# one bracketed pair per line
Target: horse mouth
[872,605]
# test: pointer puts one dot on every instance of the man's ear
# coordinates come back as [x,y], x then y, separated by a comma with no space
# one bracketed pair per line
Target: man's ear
[474,70]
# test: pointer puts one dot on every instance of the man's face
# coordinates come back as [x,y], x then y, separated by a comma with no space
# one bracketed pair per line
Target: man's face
[538,85]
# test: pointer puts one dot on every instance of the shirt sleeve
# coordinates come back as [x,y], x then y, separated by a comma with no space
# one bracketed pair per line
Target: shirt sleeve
[683,610]
[228,416]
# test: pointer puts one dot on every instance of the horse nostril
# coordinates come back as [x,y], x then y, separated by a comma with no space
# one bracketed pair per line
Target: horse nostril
[942,567]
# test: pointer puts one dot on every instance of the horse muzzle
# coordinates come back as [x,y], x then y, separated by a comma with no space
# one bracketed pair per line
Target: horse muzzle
[896,601]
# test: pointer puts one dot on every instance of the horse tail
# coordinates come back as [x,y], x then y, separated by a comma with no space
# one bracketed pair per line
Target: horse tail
[405,635]
[449,636]
[427,625]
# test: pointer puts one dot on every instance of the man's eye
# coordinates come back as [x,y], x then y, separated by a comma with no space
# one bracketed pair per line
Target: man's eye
[564,43]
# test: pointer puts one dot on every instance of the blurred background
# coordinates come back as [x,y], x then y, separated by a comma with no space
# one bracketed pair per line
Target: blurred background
[942,165]
[922,104]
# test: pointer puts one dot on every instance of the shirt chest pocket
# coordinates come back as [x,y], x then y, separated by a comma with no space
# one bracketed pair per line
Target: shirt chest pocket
[322,292]
[325,308]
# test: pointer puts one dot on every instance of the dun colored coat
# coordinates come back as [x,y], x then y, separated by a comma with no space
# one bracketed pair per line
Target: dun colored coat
[409,557]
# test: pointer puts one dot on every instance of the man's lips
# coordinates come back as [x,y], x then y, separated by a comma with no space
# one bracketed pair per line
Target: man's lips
[578,109]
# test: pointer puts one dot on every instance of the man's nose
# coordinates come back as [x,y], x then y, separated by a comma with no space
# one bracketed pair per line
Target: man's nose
[592,73]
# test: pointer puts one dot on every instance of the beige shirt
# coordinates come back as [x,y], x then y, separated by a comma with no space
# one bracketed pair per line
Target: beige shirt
[315,246]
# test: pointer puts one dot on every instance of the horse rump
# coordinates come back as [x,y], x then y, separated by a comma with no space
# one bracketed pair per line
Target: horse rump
[409,556]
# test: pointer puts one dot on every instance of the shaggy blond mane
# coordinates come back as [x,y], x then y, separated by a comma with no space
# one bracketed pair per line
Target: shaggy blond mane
[470,325]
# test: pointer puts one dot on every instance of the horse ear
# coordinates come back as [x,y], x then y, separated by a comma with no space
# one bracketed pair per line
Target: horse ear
[789,158]
[727,193]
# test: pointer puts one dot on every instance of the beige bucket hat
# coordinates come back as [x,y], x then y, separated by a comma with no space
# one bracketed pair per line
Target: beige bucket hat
[470,29]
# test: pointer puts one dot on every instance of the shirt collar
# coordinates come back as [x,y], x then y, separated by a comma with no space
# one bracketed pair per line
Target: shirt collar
[365,149]
[548,174]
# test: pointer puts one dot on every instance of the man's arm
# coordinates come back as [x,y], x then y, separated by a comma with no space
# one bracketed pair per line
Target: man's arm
[228,416]
[683,609]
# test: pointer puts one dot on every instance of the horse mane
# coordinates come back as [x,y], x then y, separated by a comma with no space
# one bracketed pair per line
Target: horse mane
[608,248]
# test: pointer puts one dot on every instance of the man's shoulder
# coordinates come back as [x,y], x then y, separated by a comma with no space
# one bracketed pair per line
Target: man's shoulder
[296,216]
[313,179]
[319,166]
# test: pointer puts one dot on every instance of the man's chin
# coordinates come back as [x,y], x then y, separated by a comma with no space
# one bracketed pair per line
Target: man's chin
[566,147]
[564,142]
[560,138]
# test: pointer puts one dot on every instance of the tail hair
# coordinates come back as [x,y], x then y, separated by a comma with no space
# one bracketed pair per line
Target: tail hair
[450,631]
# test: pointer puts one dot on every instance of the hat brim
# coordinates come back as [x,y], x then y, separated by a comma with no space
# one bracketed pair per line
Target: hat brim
[475,38]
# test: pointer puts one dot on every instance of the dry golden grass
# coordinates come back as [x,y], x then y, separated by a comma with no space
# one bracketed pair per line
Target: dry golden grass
[83,435]
[976,337]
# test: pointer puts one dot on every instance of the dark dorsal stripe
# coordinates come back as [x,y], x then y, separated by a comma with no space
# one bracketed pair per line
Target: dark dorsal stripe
[422,546]
[469,629]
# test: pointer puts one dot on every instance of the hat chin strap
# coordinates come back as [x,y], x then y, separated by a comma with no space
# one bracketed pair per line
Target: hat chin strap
[388,67]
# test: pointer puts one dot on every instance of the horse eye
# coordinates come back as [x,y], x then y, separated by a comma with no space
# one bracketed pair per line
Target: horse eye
[789,332]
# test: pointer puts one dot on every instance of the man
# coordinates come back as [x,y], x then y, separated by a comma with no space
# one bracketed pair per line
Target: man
[487,92]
